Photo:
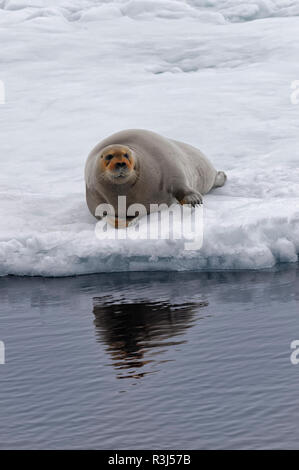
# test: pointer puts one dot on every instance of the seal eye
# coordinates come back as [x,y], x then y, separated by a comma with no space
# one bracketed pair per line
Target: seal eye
[109,157]
[126,156]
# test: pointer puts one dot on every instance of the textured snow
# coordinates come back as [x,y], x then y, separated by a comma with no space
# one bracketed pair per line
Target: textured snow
[216,74]
[97,10]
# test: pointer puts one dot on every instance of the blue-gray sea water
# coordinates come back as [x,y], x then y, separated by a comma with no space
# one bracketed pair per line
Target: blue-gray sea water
[150,361]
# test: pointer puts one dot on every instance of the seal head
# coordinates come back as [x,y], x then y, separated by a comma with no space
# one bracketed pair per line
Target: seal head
[117,164]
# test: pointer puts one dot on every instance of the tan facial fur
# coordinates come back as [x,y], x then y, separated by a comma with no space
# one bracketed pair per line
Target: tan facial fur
[117,163]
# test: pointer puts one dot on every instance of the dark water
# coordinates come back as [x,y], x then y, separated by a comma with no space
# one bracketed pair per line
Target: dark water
[156,360]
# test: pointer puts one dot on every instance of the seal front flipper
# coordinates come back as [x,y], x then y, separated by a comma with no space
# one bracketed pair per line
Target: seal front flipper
[194,199]
[120,222]
[188,196]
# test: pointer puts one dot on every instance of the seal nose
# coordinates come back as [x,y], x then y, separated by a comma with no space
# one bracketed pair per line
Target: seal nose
[120,165]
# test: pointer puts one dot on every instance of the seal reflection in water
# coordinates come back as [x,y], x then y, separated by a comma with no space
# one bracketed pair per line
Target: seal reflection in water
[147,169]
[136,332]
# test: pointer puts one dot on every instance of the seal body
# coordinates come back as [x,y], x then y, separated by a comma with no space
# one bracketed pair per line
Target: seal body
[147,169]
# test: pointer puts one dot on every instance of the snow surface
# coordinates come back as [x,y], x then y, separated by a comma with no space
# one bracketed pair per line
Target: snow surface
[214,73]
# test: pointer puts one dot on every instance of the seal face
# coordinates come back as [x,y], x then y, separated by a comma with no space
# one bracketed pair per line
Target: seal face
[117,164]
[148,169]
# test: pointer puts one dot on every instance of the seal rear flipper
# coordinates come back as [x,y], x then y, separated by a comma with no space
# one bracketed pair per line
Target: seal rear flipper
[220,179]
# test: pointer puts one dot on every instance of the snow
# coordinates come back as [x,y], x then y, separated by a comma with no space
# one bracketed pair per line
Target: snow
[216,74]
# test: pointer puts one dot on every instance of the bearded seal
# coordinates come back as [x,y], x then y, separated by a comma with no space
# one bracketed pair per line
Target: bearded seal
[146,168]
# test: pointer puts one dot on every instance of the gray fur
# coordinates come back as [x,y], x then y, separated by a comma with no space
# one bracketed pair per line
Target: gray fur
[167,171]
